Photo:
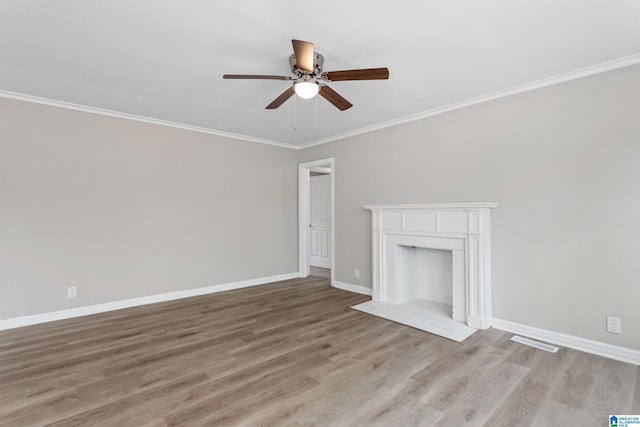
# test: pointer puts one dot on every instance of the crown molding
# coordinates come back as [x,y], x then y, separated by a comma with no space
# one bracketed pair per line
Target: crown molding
[623,62]
[143,119]
[538,84]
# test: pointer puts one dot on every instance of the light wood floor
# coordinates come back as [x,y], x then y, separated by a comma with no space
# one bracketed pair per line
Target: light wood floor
[293,353]
[319,271]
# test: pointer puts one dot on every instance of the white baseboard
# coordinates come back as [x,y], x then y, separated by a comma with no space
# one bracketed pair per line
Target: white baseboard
[622,354]
[134,302]
[352,288]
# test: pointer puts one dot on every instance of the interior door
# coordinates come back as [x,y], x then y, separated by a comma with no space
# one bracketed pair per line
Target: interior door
[320,226]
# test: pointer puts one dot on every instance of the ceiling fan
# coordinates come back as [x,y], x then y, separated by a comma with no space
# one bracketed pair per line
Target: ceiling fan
[309,80]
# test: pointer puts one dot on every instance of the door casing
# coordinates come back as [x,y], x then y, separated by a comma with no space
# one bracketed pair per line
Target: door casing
[304,214]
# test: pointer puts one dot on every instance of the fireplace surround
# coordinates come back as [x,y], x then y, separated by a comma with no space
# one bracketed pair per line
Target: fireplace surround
[462,228]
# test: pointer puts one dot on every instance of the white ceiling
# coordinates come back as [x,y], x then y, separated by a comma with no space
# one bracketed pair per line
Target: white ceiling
[164,60]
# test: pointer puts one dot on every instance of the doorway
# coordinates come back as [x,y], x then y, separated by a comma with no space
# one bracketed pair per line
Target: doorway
[316,218]
[319,219]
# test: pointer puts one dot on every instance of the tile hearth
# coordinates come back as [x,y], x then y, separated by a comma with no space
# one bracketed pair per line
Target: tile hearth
[421,314]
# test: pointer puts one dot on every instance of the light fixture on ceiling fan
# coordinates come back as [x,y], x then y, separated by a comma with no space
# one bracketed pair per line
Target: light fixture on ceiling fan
[309,80]
[306,87]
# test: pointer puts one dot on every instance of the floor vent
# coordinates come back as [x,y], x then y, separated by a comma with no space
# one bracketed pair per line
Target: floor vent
[536,344]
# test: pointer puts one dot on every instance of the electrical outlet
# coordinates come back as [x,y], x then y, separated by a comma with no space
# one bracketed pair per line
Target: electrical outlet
[357,273]
[72,292]
[614,325]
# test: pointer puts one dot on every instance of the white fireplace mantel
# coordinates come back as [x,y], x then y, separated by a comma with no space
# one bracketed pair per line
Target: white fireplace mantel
[463,228]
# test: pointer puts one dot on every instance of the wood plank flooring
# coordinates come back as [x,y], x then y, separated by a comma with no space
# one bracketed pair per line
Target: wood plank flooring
[293,353]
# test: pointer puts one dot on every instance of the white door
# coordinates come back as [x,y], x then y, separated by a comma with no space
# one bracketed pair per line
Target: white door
[320,226]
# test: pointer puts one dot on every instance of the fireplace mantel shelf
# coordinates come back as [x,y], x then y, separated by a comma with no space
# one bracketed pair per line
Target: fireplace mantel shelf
[470,205]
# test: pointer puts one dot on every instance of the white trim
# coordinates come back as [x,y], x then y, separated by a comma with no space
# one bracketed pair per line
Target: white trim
[626,61]
[134,302]
[359,289]
[615,352]
[136,118]
[304,214]
[320,169]
[471,205]
[603,67]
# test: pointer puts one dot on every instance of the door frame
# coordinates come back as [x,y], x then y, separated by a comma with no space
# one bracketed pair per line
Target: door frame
[304,214]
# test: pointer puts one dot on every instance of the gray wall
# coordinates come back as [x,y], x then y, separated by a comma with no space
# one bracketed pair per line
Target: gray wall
[124,209]
[563,162]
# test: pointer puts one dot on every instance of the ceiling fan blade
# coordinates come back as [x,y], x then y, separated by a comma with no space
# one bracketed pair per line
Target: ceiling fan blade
[335,98]
[280,100]
[363,74]
[304,54]
[255,76]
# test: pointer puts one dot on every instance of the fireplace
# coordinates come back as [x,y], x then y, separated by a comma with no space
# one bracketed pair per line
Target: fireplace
[416,248]
[425,273]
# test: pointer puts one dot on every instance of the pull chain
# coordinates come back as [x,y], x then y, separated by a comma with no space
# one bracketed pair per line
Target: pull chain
[295,113]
